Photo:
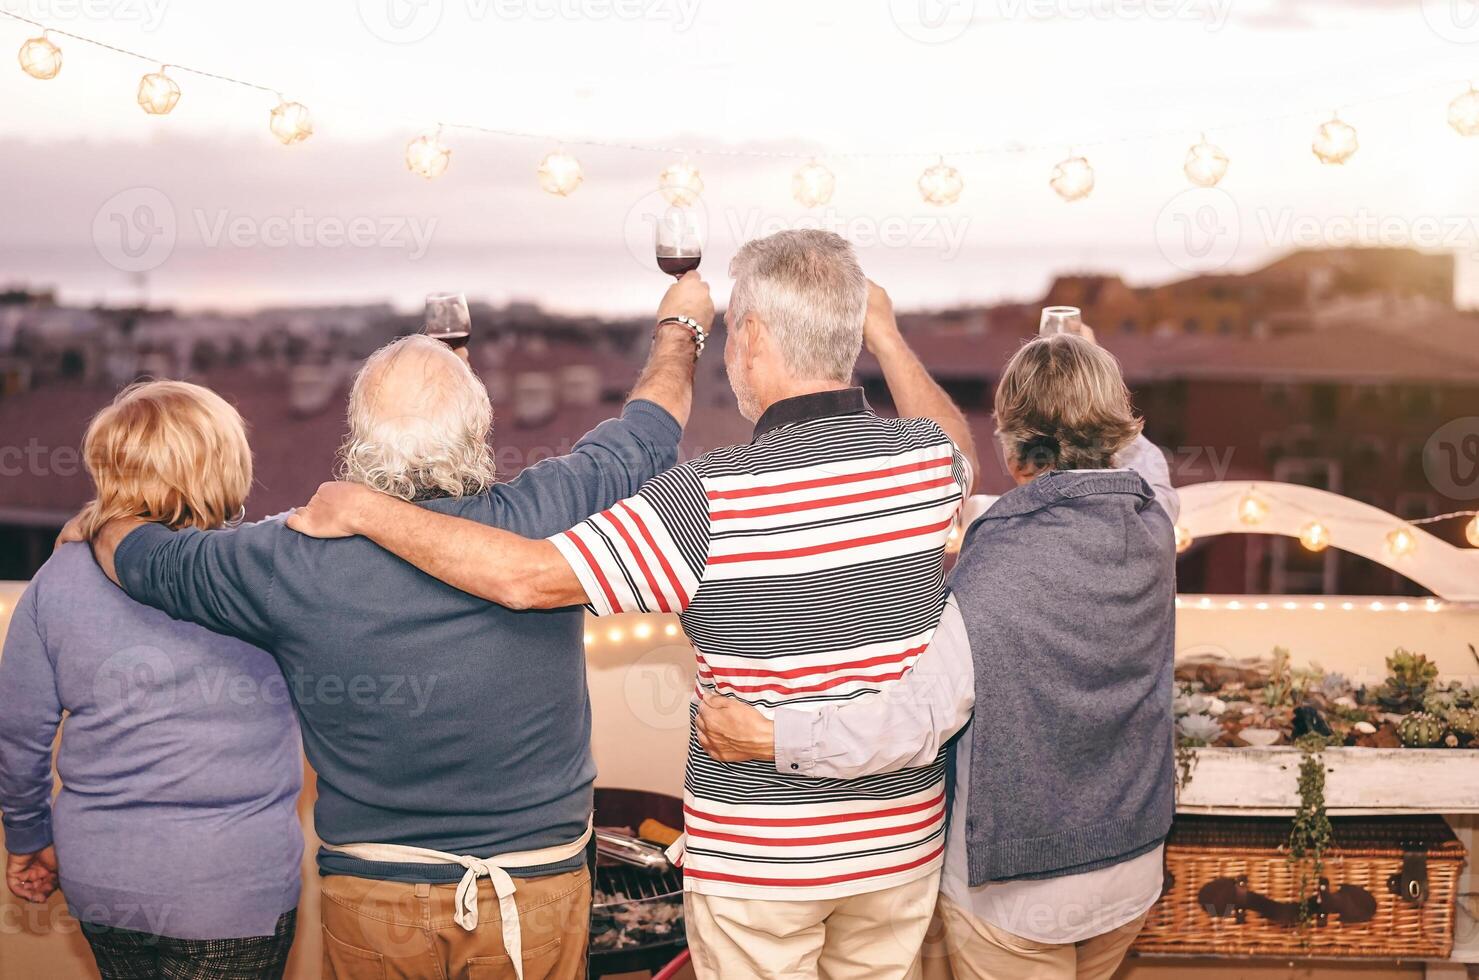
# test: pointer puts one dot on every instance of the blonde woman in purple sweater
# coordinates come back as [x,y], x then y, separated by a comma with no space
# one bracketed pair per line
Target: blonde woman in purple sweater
[175,838]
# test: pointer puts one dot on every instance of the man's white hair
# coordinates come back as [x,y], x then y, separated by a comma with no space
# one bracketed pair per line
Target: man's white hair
[807,286]
[427,438]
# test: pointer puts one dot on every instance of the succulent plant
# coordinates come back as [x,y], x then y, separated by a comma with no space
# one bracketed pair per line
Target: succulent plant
[1438,702]
[1199,729]
[1421,730]
[1335,685]
[1464,721]
[1409,675]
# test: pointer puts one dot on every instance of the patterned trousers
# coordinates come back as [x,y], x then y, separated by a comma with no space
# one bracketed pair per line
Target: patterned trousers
[123,954]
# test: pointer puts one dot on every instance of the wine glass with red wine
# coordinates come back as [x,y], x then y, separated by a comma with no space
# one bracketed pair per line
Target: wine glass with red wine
[447,319]
[678,243]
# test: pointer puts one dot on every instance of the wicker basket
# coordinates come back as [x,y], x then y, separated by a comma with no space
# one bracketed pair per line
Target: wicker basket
[1392,888]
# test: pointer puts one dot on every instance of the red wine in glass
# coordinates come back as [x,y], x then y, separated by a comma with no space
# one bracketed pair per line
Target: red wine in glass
[448,320]
[677,242]
[677,265]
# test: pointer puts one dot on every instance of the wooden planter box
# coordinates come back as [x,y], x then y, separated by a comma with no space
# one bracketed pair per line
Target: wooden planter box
[1255,781]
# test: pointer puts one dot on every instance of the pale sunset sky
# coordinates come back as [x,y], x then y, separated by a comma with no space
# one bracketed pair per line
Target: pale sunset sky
[875,88]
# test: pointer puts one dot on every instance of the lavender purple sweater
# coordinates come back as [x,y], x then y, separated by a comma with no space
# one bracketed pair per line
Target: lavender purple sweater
[180,760]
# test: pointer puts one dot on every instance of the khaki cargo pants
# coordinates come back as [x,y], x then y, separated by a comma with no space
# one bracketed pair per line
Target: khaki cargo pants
[389,930]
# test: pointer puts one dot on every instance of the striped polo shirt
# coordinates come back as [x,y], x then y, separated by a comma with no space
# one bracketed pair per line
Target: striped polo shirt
[807,569]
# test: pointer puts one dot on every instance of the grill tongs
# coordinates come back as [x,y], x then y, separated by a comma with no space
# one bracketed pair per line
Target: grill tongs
[631,850]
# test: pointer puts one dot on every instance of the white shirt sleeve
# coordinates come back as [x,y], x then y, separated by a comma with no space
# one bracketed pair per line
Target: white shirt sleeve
[1145,458]
[901,727]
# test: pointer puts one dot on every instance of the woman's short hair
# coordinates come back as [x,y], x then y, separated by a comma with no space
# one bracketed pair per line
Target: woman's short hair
[1062,404]
[170,452]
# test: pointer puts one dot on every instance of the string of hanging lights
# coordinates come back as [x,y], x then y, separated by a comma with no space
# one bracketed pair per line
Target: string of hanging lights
[813,183]
[1315,535]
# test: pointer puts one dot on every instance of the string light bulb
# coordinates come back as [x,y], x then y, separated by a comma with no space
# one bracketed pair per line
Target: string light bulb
[1471,531]
[158,93]
[1314,536]
[427,157]
[560,174]
[290,122]
[1251,509]
[1463,113]
[1205,164]
[1072,179]
[941,184]
[812,185]
[1401,542]
[1335,141]
[1183,539]
[680,184]
[40,58]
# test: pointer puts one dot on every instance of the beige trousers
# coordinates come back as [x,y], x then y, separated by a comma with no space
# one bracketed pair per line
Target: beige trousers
[389,930]
[876,935]
[967,948]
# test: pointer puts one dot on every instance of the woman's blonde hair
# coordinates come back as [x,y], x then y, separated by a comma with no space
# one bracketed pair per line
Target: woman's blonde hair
[1062,404]
[170,452]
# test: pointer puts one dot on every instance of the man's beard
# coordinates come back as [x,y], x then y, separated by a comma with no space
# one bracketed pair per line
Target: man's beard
[744,396]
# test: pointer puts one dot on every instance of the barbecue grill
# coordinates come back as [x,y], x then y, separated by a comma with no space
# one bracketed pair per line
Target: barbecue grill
[649,922]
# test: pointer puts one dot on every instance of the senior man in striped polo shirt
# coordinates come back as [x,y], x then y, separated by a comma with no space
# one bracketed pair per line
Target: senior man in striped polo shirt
[806,568]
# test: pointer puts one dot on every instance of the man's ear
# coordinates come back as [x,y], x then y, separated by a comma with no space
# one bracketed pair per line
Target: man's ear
[757,341]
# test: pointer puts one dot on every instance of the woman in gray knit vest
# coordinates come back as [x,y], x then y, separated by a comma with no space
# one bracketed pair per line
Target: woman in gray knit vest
[1055,656]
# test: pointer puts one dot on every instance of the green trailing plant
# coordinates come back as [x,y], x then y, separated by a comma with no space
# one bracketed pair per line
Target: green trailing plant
[1409,676]
[1311,833]
[1421,730]
[1186,764]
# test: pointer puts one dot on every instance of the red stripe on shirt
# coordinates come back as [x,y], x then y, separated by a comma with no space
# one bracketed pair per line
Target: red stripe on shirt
[815,820]
[829,481]
[852,498]
[596,569]
[830,546]
[826,839]
[888,658]
[662,559]
[805,882]
[662,600]
[811,688]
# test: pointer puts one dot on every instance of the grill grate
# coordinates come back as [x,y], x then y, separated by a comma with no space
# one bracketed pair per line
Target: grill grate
[637,884]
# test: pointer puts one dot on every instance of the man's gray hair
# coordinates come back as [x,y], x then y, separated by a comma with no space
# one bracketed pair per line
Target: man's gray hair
[435,444]
[807,286]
